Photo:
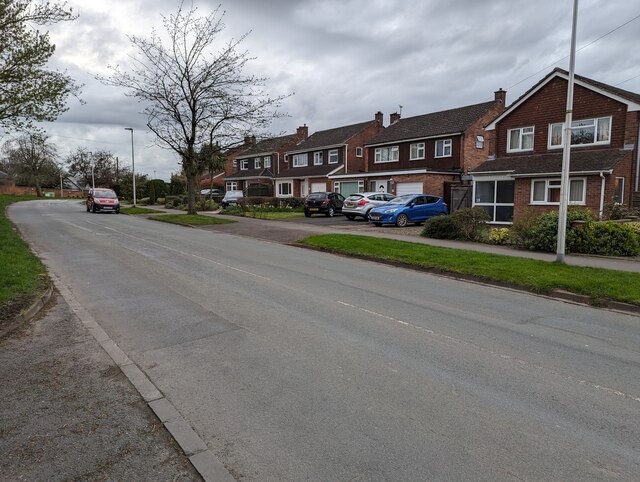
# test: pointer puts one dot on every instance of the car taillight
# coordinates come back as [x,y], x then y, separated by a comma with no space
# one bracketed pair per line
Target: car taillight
[362,202]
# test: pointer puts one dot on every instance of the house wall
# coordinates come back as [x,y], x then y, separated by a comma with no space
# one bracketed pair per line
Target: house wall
[359,164]
[548,106]
[470,155]
[404,154]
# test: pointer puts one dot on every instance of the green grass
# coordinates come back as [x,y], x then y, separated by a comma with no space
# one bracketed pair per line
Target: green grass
[190,219]
[22,275]
[138,210]
[538,276]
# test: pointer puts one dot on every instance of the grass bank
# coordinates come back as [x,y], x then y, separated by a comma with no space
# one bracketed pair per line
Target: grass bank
[534,275]
[22,275]
[138,210]
[190,219]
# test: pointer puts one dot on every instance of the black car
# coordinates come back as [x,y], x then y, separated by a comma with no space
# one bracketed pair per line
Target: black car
[327,203]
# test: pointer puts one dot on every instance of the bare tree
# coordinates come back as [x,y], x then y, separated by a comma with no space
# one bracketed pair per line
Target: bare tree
[100,166]
[31,159]
[194,89]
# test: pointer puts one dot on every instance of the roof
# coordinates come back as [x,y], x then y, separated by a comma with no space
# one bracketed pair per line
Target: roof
[269,145]
[309,171]
[331,137]
[434,124]
[630,98]
[250,174]
[551,163]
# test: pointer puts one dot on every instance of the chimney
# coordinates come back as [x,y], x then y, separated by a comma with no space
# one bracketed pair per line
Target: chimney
[253,140]
[393,118]
[501,96]
[379,117]
[302,132]
[247,140]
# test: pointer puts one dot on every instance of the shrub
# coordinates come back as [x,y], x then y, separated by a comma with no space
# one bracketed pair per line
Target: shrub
[203,204]
[471,222]
[609,238]
[160,200]
[441,227]
[543,235]
[614,211]
[144,201]
[291,202]
[233,209]
[635,226]
[499,235]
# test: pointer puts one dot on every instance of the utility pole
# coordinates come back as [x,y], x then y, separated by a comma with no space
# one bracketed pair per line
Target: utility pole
[133,166]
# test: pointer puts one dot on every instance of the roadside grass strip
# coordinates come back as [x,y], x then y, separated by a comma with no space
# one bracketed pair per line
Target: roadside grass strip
[22,275]
[274,215]
[138,210]
[190,219]
[537,276]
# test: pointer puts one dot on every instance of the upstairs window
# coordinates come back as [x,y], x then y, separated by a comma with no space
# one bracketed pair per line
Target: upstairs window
[333,156]
[520,139]
[266,161]
[317,158]
[244,164]
[586,132]
[300,160]
[443,148]
[359,151]
[386,154]
[416,151]
[256,163]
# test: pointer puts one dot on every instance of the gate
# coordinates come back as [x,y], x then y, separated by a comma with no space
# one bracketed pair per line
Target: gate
[460,197]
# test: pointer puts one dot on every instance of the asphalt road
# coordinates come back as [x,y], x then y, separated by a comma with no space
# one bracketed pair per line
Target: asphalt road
[298,365]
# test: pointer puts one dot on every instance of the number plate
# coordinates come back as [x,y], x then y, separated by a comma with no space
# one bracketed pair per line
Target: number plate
[375,218]
[313,209]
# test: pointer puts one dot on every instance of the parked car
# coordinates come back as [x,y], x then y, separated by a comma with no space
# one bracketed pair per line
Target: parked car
[360,204]
[231,197]
[327,203]
[103,200]
[212,192]
[410,208]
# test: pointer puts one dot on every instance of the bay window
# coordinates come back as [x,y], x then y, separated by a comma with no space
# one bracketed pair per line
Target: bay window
[496,198]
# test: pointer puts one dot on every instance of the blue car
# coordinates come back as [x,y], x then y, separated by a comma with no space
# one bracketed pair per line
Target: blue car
[410,208]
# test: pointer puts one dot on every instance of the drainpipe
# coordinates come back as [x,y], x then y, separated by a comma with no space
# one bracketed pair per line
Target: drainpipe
[602,182]
[346,158]
[638,161]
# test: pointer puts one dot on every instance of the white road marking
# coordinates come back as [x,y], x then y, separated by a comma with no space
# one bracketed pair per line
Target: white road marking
[502,356]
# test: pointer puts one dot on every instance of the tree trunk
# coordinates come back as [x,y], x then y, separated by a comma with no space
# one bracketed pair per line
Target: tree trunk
[191,191]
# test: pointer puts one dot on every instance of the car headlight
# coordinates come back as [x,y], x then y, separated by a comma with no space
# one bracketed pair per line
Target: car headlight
[392,210]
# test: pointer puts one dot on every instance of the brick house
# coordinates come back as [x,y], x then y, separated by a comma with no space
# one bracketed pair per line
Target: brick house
[426,153]
[257,163]
[338,150]
[524,171]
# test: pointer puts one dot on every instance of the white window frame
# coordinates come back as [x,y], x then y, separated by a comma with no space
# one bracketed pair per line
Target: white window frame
[280,185]
[232,186]
[359,151]
[235,164]
[317,158]
[621,201]
[479,142]
[531,130]
[256,163]
[333,156]
[494,204]
[416,151]
[266,162]
[556,185]
[447,148]
[392,154]
[244,164]
[596,122]
[300,160]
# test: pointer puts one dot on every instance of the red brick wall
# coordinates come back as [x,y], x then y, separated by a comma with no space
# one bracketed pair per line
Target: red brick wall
[359,164]
[548,106]
[470,155]
[431,183]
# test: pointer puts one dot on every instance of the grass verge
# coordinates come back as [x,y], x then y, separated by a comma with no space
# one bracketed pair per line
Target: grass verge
[190,219]
[274,215]
[534,275]
[137,210]
[22,276]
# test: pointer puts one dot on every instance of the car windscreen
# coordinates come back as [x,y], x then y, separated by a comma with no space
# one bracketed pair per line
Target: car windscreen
[317,195]
[105,194]
[401,199]
[355,197]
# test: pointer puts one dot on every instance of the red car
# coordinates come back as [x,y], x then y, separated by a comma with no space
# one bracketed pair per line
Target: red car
[103,200]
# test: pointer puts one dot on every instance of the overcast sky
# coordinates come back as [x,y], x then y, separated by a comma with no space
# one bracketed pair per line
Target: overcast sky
[346,59]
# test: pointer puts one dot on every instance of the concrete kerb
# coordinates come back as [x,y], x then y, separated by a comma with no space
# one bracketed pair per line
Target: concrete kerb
[203,460]
[29,313]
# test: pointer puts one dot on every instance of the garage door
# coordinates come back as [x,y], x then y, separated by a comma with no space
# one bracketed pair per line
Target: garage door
[408,188]
[348,188]
[318,186]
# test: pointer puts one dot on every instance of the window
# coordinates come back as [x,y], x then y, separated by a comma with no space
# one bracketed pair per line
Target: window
[547,191]
[244,164]
[479,142]
[266,161]
[618,196]
[256,163]
[496,198]
[235,164]
[380,186]
[520,139]
[586,132]
[317,158]
[300,160]
[232,186]
[333,156]
[285,189]
[359,151]
[386,154]
[443,148]
[416,151]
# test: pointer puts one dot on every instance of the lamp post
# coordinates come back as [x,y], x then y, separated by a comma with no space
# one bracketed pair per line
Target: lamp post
[133,166]
[93,179]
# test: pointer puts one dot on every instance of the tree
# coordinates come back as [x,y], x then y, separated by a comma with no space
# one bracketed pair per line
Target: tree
[194,89]
[210,159]
[28,90]
[31,160]
[107,171]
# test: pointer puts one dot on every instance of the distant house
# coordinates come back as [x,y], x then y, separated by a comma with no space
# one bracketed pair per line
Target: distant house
[310,164]
[524,170]
[256,165]
[426,153]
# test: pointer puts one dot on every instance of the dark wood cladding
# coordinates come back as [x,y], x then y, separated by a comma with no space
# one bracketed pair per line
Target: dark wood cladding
[430,161]
[547,106]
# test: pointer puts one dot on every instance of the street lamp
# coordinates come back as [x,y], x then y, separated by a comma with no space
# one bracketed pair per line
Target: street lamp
[133,166]
[93,179]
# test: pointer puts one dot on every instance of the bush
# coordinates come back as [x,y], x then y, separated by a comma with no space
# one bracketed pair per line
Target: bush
[291,202]
[160,200]
[471,222]
[144,201]
[203,204]
[543,235]
[175,201]
[614,211]
[610,239]
[441,227]
[499,235]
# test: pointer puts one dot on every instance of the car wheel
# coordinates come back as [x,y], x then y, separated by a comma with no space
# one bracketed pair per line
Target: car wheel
[88,208]
[402,220]
[377,224]
[307,214]
[350,217]
[117,211]
[93,209]
[330,212]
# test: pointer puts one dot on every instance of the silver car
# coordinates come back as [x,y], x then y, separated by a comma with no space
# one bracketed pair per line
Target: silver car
[359,204]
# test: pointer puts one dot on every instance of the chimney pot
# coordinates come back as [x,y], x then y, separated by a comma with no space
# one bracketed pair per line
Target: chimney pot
[379,117]
[394,117]
[501,96]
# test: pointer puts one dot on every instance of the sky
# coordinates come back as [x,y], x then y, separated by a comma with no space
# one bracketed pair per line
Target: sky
[343,60]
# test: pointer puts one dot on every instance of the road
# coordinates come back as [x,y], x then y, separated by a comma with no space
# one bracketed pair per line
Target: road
[298,365]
